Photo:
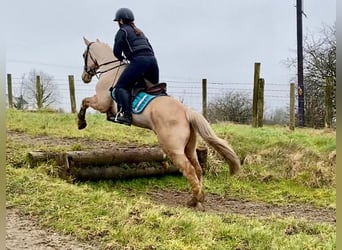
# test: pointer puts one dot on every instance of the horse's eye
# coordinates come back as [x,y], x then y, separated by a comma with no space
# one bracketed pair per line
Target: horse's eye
[84,55]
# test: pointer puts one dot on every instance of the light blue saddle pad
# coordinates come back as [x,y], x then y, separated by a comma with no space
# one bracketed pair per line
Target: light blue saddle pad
[140,102]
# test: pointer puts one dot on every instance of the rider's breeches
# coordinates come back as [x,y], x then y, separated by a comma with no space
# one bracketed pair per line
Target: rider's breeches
[139,68]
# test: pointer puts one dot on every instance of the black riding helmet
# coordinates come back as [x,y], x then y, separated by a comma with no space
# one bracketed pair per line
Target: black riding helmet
[125,14]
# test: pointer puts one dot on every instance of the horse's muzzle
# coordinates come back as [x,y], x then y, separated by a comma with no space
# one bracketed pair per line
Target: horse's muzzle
[86,78]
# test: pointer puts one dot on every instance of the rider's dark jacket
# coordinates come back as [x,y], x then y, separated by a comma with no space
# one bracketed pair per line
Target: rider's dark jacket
[131,44]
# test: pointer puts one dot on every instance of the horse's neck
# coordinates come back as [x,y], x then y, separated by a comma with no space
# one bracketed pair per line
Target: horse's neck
[103,53]
[110,66]
[108,62]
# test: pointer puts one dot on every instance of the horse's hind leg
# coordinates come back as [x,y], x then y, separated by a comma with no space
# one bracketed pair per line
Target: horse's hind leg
[185,166]
[190,152]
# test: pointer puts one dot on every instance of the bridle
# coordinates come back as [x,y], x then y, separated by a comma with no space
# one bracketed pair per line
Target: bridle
[92,71]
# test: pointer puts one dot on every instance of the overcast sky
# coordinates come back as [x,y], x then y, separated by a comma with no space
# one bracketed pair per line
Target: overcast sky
[193,39]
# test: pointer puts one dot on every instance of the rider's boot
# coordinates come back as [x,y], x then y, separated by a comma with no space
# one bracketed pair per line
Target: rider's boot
[124,118]
[124,105]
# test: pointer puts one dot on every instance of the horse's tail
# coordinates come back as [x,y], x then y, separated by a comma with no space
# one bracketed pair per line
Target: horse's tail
[201,125]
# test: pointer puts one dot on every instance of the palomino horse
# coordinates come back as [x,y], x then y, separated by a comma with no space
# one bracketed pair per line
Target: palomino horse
[175,125]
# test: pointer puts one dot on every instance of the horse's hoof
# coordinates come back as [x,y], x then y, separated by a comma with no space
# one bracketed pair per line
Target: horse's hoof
[199,207]
[82,124]
[201,197]
[192,203]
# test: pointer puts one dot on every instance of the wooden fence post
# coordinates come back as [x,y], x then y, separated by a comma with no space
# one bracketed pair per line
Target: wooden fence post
[260,105]
[292,106]
[72,93]
[39,93]
[204,98]
[255,94]
[9,89]
[328,102]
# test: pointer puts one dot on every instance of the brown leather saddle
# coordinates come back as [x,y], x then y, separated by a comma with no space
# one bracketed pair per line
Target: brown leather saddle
[150,88]
[155,89]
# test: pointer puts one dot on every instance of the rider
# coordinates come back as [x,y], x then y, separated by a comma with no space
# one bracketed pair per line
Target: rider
[131,44]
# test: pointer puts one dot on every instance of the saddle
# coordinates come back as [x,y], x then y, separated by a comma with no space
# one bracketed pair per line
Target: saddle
[144,93]
[150,88]
[141,95]
[155,89]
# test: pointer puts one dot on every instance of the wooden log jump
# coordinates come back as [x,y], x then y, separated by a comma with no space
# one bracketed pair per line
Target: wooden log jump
[123,171]
[115,156]
[117,163]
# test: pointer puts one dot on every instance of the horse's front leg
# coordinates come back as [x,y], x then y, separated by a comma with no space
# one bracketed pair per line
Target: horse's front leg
[82,123]
[102,104]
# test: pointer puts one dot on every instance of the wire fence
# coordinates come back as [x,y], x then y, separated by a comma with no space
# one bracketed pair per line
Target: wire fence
[277,96]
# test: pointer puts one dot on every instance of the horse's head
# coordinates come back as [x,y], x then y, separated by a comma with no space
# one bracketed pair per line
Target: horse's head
[90,63]
[98,58]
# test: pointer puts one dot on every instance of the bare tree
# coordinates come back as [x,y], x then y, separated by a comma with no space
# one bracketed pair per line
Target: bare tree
[320,59]
[233,106]
[279,116]
[319,64]
[19,101]
[48,88]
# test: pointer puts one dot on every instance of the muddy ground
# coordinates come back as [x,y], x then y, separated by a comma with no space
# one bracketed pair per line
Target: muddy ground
[23,232]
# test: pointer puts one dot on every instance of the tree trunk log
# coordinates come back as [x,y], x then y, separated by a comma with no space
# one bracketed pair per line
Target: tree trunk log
[115,164]
[115,156]
[36,157]
[123,171]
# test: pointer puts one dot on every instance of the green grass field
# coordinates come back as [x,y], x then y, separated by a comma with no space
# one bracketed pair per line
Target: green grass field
[281,167]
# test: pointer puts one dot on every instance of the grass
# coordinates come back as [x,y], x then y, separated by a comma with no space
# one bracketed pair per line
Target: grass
[65,126]
[280,167]
[103,213]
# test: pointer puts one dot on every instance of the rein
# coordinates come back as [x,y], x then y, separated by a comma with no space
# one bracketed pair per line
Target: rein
[101,72]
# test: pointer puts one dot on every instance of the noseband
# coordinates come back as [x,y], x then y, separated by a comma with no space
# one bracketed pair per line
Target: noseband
[93,70]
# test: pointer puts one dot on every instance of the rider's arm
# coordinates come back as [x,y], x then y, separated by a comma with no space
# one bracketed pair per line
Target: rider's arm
[119,44]
[150,45]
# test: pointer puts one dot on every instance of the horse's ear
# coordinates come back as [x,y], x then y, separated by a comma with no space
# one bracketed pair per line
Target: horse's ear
[86,41]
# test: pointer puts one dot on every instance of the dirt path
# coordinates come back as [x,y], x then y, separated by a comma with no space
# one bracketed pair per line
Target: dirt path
[216,204]
[23,232]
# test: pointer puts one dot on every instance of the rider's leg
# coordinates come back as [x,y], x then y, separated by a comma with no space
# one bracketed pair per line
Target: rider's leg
[137,69]
[124,115]
[122,93]
[152,72]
